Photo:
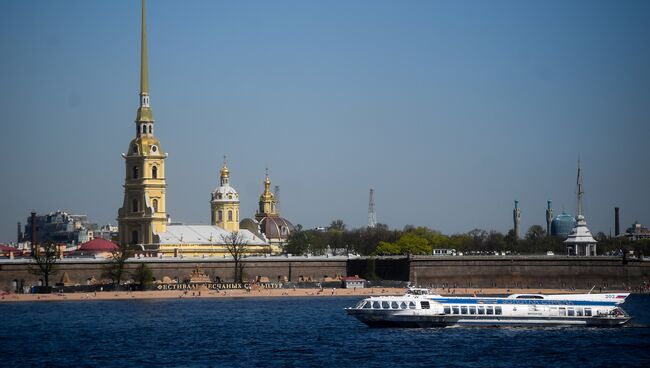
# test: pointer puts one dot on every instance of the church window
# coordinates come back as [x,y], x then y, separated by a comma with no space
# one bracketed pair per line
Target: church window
[150,129]
[219,196]
[134,237]
[220,215]
[134,205]
[135,172]
[154,172]
[229,215]
[134,149]
[155,205]
[144,129]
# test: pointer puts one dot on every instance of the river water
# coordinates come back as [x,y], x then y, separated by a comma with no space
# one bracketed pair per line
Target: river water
[292,332]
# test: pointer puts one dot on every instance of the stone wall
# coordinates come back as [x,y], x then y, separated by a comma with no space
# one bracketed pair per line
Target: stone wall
[80,271]
[464,271]
[528,271]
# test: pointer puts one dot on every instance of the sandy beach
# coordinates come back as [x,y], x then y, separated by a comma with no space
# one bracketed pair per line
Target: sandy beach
[264,293]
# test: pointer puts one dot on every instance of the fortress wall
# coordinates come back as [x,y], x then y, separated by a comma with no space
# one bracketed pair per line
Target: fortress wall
[80,271]
[533,272]
[465,271]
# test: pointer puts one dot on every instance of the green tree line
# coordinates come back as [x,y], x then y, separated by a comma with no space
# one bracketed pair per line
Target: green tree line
[381,240]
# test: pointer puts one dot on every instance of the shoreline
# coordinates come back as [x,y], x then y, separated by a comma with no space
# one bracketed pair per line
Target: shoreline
[270,293]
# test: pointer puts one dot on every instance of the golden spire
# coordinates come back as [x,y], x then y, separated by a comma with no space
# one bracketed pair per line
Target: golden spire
[267,182]
[224,170]
[144,111]
[144,72]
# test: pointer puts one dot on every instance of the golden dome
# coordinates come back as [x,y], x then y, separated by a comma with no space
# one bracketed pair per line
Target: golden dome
[224,171]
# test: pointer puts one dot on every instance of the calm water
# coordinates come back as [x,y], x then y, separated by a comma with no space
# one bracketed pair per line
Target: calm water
[291,333]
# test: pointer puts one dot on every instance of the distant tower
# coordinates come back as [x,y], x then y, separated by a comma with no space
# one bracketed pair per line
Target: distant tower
[516,216]
[276,193]
[372,216]
[617,224]
[580,242]
[549,217]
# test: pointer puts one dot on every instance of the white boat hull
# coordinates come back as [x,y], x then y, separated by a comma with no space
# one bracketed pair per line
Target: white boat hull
[389,319]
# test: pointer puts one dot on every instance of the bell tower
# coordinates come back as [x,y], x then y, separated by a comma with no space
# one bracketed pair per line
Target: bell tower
[267,201]
[143,213]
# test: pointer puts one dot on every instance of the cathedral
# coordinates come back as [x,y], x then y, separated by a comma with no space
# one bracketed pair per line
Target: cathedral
[143,221]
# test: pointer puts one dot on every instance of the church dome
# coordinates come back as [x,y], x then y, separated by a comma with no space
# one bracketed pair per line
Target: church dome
[225,193]
[276,227]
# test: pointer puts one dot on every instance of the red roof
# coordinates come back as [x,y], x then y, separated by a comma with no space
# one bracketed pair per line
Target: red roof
[6,248]
[352,278]
[98,245]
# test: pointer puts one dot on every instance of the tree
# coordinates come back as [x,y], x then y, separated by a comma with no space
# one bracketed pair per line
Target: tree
[297,242]
[114,270]
[337,225]
[143,276]
[237,247]
[535,232]
[387,249]
[45,257]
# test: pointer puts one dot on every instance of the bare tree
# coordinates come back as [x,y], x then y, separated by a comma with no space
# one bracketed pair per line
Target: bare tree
[114,270]
[45,257]
[237,247]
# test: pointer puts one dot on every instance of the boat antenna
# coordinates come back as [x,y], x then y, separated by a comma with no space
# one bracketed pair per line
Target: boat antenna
[592,289]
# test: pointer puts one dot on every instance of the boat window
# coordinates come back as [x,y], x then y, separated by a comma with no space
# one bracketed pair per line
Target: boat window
[403,305]
[394,305]
[367,305]
[530,297]
[375,305]
[497,310]
[579,312]
[463,309]
[447,309]
[488,310]
[425,305]
[411,305]
[570,312]
[472,310]
[455,309]
[562,311]
[481,309]
[385,305]
[588,312]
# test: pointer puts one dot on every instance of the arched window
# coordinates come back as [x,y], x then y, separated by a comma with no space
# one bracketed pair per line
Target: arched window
[155,205]
[136,172]
[134,237]
[150,129]
[229,215]
[154,172]
[220,215]
[144,129]
[134,205]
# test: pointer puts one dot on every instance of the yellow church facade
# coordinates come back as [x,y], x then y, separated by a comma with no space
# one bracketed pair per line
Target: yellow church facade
[143,220]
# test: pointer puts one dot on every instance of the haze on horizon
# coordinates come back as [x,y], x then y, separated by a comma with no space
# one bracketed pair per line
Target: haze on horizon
[449,110]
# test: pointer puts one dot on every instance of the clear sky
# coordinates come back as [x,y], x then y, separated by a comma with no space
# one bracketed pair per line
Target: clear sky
[449,110]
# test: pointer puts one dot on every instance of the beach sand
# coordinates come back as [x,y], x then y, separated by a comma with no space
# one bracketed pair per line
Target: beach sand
[265,293]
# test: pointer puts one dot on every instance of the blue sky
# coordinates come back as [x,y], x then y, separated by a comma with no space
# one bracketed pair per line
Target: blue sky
[449,110]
